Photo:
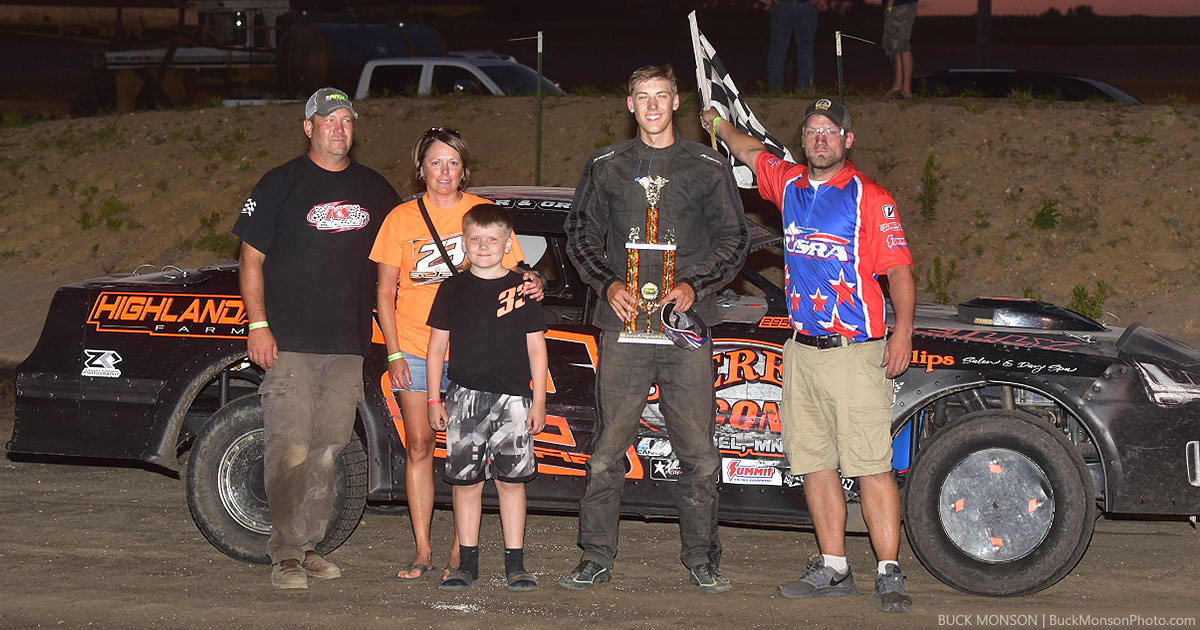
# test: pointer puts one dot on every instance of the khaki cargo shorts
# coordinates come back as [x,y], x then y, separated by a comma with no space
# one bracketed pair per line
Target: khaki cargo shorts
[837,409]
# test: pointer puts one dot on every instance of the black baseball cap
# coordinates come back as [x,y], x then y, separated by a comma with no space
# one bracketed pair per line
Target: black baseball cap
[832,110]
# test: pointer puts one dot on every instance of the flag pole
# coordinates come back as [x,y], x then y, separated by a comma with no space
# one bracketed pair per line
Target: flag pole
[537,161]
[837,35]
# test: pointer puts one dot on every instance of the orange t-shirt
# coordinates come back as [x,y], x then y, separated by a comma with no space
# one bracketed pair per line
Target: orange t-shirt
[404,242]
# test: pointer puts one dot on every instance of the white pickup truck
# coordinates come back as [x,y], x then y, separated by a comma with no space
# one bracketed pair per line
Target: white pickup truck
[467,72]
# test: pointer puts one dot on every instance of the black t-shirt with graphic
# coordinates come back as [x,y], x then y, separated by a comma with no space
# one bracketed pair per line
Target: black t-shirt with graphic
[488,321]
[316,228]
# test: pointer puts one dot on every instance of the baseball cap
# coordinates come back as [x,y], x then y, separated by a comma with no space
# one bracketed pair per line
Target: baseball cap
[687,330]
[327,100]
[832,110]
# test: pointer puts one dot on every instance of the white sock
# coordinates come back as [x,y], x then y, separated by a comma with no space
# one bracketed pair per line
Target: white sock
[837,563]
[883,570]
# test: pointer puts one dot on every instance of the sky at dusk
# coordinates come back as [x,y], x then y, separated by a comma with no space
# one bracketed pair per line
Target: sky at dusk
[1035,7]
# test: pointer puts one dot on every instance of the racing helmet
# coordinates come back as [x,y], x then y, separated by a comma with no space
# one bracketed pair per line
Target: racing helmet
[686,329]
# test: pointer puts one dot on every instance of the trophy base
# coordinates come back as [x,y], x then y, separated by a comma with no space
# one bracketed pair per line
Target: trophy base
[654,339]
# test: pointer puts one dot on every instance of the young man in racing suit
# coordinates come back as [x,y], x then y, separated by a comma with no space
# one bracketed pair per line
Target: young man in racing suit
[841,230]
[700,204]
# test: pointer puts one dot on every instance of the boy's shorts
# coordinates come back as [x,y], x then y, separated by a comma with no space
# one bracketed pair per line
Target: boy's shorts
[837,409]
[487,437]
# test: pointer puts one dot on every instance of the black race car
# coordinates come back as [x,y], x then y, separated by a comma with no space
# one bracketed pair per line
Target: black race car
[1015,425]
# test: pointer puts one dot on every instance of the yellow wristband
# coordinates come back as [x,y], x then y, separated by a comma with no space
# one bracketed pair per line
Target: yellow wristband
[395,355]
[257,325]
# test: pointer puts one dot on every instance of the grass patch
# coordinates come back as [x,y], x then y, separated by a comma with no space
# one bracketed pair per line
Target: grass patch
[1048,217]
[1087,303]
[929,191]
[222,243]
[938,282]
[110,210]
[81,142]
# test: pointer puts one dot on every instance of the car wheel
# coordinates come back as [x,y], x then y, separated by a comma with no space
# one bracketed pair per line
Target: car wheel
[225,491]
[999,503]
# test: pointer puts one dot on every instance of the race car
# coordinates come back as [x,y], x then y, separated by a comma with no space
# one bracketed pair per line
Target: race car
[1017,423]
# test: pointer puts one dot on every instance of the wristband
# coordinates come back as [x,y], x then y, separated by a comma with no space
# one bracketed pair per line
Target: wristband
[715,121]
[395,355]
[257,325]
[435,401]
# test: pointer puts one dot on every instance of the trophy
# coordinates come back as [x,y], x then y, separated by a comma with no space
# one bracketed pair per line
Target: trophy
[648,294]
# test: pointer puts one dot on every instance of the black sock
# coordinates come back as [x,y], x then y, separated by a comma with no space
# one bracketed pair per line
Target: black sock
[514,561]
[469,560]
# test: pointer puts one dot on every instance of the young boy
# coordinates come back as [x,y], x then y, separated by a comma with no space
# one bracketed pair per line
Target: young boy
[497,341]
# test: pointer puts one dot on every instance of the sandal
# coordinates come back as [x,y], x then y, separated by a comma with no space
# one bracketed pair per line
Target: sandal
[423,568]
[522,581]
[458,580]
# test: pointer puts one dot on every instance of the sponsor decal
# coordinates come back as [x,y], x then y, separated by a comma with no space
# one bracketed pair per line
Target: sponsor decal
[930,361]
[748,444]
[170,314]
[810,243]
[775,321]
[248,209]
[889,212]
[1032,368]
[533,203]
[338,216]
[894,241]
[653,447]
[792,481]
[665,469]
[750,472]
[1001,338]
[890,226]
[749,385]
[101,363]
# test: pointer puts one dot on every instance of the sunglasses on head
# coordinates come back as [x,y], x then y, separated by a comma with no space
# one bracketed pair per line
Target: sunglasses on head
[435,131]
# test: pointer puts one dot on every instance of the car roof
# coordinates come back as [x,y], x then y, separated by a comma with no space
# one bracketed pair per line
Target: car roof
[544,208]
[1015,75]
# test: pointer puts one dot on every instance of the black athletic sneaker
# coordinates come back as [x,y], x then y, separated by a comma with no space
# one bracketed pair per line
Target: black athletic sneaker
[585,576]
[890,593]
[709,579]
[820,581]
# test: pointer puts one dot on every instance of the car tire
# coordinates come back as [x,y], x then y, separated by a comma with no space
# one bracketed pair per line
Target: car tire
[225,485]
[999,503]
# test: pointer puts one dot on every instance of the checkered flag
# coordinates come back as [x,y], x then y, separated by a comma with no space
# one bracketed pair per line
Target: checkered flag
[717,90]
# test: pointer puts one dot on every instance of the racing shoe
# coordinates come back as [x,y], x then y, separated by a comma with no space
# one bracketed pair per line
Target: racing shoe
[890,593]
[709,578]
[585,576]
[820,581]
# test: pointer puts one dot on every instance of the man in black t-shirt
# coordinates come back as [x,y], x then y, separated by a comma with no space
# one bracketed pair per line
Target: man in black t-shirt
[308,287]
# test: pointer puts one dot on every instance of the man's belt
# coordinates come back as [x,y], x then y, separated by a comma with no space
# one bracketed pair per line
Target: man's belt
[824,342]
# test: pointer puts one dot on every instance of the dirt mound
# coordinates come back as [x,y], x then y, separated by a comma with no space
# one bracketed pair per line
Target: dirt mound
[999,198]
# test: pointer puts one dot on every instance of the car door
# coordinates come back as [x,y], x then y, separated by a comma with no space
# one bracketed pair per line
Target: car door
[452,78]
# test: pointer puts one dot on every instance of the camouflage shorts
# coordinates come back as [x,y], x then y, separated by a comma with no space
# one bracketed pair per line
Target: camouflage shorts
[487,437]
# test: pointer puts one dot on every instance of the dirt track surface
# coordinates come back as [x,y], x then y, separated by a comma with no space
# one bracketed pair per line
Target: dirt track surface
[109,547]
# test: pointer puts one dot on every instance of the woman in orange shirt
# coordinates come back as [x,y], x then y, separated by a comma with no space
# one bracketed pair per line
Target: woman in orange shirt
[410,268]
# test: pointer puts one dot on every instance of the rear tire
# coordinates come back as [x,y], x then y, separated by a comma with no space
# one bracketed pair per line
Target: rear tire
[999,503]
[225,490]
